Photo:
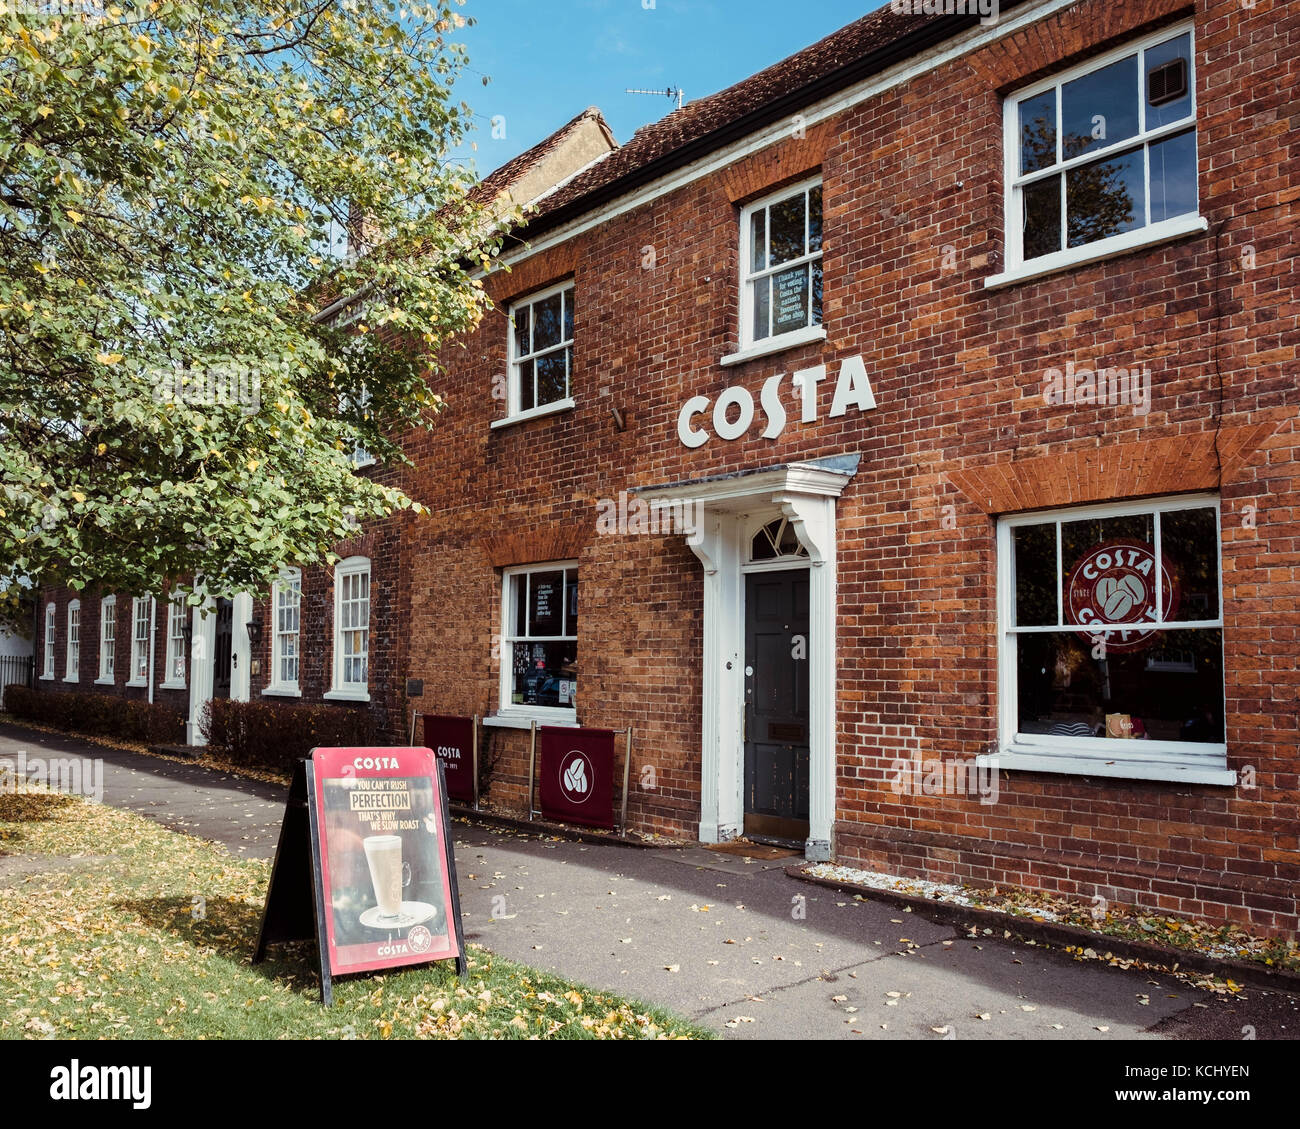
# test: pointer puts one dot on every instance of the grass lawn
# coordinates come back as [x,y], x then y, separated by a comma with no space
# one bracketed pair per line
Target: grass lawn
[113,927]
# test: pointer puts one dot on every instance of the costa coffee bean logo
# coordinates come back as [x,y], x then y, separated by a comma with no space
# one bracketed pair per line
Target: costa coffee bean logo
[576,777]
[1116,583]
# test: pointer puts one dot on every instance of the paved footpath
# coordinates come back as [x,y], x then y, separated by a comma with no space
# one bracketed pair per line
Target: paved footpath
[735,944]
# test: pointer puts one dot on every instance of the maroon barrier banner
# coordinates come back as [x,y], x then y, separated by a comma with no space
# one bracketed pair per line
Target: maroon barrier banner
[577,775]
[452,738]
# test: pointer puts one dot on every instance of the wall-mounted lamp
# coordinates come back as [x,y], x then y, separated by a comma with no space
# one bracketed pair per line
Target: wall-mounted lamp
[254,627]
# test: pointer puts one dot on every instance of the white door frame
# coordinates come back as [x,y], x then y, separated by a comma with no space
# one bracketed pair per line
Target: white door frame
[203,646]
[723,509]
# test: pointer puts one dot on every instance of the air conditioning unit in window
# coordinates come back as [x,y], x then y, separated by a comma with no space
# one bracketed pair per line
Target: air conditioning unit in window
[1167,82]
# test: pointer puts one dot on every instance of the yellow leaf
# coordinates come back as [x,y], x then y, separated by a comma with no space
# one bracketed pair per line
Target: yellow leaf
[45,111]
[108,358]
[74,216]
[78,496]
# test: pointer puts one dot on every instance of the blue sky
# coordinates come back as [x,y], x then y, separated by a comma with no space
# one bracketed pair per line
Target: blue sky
[551,59]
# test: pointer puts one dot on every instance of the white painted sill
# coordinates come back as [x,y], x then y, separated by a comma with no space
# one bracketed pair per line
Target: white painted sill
[287,692]
[71,681]
[346,696]
[1026,760]
[107,680]
[525,721]
[137,683]
[171,685]
[555,408]
[46,678]
[1130,241]
[776,345]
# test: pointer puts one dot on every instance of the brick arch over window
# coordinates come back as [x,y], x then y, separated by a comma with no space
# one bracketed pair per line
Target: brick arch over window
[1171,465]
[562,543]
[1066,36]
[785,161]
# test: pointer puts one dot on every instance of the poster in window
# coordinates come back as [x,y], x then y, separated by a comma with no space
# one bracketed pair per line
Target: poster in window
[791,311]
[1116,583]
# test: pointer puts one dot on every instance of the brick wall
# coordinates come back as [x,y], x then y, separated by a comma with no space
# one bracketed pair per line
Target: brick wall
[913,219]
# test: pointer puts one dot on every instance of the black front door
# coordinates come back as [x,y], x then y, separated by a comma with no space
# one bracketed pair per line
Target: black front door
[222,649]
[776,704]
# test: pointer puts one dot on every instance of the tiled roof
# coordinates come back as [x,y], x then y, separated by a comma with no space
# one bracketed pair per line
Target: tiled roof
[498,181]
[863,47]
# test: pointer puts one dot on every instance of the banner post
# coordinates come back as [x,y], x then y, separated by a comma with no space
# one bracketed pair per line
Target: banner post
[532,774]
[415,720]
[475,762]
[627,775]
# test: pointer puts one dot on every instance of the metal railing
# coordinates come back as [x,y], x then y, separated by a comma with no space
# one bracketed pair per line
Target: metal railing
[15,669]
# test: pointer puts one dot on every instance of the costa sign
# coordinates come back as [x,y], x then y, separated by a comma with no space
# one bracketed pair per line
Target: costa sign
[1115,583]
[734,410]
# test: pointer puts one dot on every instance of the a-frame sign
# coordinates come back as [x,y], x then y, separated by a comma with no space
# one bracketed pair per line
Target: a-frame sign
[365,865]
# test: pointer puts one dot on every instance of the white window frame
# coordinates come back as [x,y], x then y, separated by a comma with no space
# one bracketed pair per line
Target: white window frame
[290,580]
[47,664]
[756,347]
[1017,267]
[514,414]
[72,660]
[141,643]
[509,713]
[342,690]
[360,457]
[1183,761]
[177,610]
[107,641]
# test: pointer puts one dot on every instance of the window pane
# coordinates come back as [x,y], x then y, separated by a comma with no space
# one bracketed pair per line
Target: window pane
[1100,108]
[791,311]
[568,314]
[1038,132]
[758,240]
[519,610]
[1105,198]
[545,603]
[1173,176]
[762,307]
[1042,217]
[571,602]
[544,674]
[815,219]
[1168,689]
[527,392]
[1110,574]
[1179,47]
[787,229]
[548,322]
[1034,547]
[1189,542]
[552,377]
[522,338]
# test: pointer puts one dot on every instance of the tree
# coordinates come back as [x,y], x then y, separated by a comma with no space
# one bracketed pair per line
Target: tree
[171,402]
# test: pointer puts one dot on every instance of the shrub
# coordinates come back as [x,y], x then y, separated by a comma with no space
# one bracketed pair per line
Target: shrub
[102,714]
[278,734]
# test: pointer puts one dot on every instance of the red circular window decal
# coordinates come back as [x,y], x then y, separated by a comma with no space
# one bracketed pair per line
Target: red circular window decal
[1116,583]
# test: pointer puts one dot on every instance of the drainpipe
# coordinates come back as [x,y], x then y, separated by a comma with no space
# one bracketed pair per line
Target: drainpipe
[153,640]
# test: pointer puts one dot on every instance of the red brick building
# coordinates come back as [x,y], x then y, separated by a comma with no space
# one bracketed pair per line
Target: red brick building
[901,442]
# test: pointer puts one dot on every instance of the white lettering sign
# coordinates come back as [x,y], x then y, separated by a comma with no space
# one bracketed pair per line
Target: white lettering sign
[734,410]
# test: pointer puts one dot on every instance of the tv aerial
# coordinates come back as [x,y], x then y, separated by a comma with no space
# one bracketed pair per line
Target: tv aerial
[671,92]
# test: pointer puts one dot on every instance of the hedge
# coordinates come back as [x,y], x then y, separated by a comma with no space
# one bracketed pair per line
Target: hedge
[277,734]
[102,714]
